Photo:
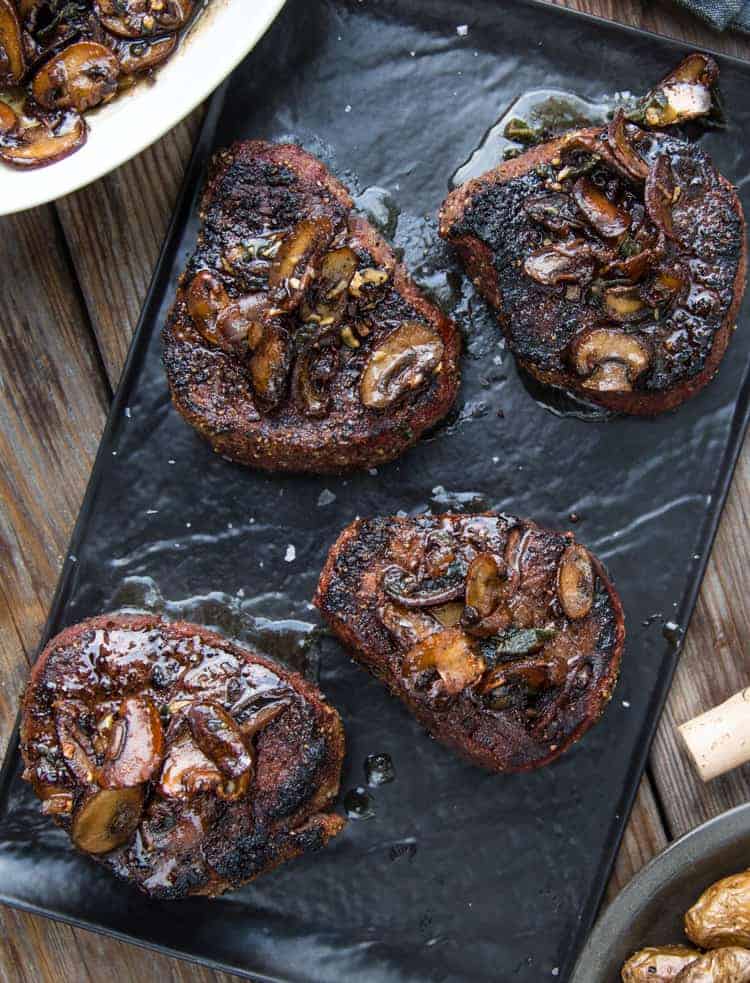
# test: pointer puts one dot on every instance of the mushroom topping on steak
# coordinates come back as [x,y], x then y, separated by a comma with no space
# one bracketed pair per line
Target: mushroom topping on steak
[615,257]
[502,638]
[181,761]
[297,342]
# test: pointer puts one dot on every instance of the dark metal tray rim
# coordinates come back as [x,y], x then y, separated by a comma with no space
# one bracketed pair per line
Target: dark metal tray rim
[185,203]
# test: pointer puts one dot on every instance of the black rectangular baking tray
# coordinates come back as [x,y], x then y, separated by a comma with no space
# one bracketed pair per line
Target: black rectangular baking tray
[460,875]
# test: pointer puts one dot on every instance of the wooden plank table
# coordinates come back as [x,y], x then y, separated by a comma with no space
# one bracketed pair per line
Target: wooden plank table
[74,277]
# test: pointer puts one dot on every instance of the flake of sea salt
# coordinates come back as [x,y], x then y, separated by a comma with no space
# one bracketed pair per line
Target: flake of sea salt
[291,554]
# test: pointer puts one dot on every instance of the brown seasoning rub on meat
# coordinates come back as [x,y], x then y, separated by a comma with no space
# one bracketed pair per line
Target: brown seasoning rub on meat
[502,638]
[615,259]
[179,760]
[297,342]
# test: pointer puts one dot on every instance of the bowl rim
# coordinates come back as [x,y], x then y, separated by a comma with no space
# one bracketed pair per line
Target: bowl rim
[142,115]
[712,835]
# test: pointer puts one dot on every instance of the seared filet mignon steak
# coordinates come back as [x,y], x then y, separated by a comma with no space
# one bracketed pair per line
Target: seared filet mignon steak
[297,342]
[502,638]
[181,761]
[615,258]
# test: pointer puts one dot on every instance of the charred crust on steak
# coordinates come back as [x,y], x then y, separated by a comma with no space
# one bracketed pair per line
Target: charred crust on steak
[621,230]
[297,342]
[510,672]
[181,761]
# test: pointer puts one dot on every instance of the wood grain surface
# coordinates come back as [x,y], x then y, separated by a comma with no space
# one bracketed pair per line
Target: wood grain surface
[75,276]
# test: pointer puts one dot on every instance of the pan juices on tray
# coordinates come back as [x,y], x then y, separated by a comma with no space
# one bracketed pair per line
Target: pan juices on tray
[614,257]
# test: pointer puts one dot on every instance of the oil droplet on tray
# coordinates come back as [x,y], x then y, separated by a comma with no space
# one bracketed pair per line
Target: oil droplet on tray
[672,632]
[359,803]
[379,769]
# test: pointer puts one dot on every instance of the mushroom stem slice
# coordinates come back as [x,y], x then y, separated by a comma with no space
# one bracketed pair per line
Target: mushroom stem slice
[12,61]
[452,654]
[611,359]
[107,818]
[575,582]
[81,76]
[400,365]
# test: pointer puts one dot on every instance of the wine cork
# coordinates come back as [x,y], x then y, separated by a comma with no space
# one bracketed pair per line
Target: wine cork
[719,740]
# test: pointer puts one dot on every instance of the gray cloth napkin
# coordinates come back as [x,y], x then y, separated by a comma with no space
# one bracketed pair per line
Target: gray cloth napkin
[724,15]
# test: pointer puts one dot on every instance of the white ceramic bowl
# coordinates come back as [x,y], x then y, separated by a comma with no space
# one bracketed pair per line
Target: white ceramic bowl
[224,33]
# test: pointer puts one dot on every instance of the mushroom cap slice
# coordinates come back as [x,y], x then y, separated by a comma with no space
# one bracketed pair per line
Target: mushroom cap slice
[206,299]
[684,94]
[400,365]
[660,195]
[135,749]
[564,262]
[188,771]
[624,303]
[81,76]
[76,747]
[42,140]
[271,361]
[452,654]
[611,359]
[314,369]
[575,582]
[604,215]
[623,149]
[336,271]
[296,262]
[143,18]
[8,118]
[12,60]
[107,818]
[219,737]
[657,964]
[143,54]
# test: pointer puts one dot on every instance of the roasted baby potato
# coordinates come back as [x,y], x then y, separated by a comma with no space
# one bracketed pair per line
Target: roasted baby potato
[721,915]
[657,964]
[730,965]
